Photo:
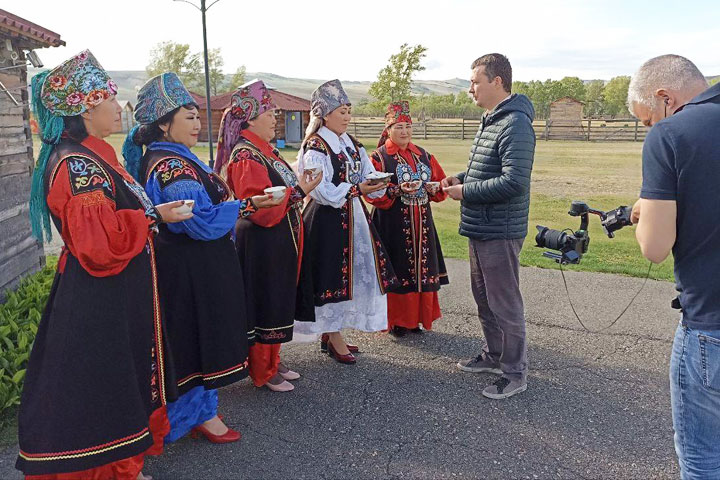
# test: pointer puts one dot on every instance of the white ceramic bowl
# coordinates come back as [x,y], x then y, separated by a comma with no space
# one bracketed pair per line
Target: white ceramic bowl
[379,177]
[276,192]
[185,208]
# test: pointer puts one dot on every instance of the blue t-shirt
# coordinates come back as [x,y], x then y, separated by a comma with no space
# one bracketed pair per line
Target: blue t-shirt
[681,162]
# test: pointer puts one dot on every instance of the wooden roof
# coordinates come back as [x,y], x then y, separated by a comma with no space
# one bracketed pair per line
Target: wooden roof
[284,101]
[34,35]
[568,98]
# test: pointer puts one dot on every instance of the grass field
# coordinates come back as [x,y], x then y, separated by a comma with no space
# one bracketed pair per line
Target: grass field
[605,175]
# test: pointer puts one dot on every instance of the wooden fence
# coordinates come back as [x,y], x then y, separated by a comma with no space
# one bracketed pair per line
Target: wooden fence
[614,130]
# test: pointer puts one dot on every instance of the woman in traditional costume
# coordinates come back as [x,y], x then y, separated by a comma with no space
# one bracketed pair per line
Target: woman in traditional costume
[97,381]
[351,270]
[199,275]
[271,244]
[403,219]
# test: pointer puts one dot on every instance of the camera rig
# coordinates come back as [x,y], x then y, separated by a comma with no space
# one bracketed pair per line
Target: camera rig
[573,245]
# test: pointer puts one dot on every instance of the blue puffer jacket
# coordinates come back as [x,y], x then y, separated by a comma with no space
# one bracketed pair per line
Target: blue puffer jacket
[496,185]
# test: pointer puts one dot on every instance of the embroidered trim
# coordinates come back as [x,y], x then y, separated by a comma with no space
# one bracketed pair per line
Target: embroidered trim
[214,376]
[385,281]
[172,169]
[151,213]
[317,144]
[87,175]
[393,191]
[285,172]
[275,328]
[85,452]
[95,197]
[297,194]
[160,357]
[351,167]
[222,187]
[354,192]
[405,173]
[247,208]
[244,152]
[346,290]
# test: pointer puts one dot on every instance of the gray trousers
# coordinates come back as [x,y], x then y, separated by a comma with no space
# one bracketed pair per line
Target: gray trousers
[495,279]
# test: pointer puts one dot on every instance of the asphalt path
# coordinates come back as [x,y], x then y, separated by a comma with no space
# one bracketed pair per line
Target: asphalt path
[597,404]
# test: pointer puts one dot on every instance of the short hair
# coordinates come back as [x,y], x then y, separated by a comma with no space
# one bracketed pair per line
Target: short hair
[666,71]
[496,65]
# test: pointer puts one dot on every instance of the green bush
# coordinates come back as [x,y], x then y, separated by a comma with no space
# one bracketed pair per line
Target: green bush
[19,318]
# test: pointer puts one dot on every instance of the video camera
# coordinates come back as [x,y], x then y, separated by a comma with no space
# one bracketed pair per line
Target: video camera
[573,245]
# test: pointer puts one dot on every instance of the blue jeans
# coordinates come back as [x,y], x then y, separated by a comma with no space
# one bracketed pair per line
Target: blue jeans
[695,398]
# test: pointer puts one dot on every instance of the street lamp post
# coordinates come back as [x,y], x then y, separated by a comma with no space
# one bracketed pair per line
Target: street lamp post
[204,9]
[392,90]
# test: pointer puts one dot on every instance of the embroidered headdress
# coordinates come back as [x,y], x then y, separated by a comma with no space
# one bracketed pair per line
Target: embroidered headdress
[249,101]
[71,88]
[159,96]
[396,112]
[76,85]
[328,97]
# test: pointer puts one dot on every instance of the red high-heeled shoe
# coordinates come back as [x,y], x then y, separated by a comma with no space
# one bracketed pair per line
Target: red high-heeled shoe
[324,338]
[227,437]
[348,359]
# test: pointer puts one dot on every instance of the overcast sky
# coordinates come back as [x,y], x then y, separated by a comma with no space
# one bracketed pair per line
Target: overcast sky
[323,39]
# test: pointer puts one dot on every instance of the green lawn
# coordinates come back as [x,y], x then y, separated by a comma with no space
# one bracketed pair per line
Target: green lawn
[605,175]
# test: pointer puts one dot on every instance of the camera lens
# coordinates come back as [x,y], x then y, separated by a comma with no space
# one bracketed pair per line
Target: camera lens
[549,238]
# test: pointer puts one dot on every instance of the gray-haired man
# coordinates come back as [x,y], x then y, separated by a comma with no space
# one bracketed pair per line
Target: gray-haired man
[495,195]
[679,210]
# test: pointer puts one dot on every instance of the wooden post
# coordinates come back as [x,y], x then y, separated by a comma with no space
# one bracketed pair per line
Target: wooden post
[636,130]
[547,130]
[355,128]
[588,134]
[462,134]
[425,129]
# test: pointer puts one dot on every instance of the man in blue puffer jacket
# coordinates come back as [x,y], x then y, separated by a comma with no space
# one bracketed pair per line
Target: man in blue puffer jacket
[495,196]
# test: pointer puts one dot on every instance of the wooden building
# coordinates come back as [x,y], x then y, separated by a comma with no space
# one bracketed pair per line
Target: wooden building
[292,114]
[127,119]
[20,253]
[565,122]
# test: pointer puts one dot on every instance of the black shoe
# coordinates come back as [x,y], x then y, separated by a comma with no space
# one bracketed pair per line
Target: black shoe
[398,332]
[417,330]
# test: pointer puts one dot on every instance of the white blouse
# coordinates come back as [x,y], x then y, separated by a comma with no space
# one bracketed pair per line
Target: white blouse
[327,193]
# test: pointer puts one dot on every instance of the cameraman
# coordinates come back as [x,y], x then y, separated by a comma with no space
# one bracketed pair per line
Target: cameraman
[679,209]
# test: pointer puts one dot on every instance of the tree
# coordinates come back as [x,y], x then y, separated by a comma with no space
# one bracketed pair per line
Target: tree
[616,92]
[714,80]
[238,78]
[176,57]
[400,69]
[571,87]
[172,57]
[595,98]
[215,64]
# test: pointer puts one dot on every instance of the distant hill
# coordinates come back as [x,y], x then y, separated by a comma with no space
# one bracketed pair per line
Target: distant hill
[129,80]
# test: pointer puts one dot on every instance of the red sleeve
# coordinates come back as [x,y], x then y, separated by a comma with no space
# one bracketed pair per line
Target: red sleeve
[386,201]
[103,239]
[437,175]
[247,177]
